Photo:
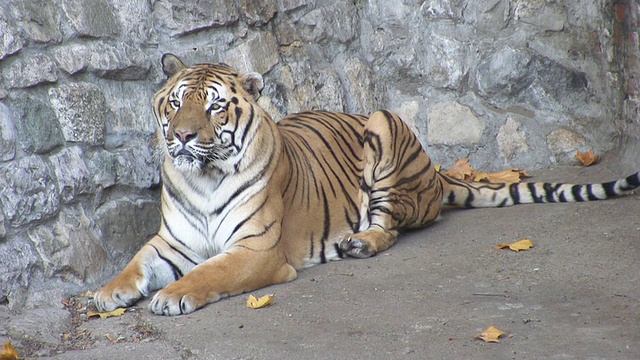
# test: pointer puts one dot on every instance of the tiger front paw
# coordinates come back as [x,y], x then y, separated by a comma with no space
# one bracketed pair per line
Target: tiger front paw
[113,296]
[177,299]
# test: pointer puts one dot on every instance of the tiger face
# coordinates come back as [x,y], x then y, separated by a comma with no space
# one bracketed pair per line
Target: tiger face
[199,112]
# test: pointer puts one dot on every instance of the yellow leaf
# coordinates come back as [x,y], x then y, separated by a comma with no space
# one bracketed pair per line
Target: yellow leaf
[438,167]
[255,303]
[461,170]
[524,244]
[588,158]
[506,176]
[8,352]
[104,315]
[490,335]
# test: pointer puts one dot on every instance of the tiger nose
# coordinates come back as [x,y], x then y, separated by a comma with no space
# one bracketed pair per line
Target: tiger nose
[185,135]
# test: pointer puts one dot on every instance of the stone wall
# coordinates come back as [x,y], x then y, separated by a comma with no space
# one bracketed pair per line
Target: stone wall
[626,34]
[506,83]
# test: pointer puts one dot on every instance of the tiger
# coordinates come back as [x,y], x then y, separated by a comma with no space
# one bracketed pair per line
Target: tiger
[247,202]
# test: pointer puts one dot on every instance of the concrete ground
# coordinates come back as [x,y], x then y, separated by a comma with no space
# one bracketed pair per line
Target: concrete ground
[574,295]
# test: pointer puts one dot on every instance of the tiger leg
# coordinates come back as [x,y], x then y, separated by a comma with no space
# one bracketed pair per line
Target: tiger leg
[399,186]
[238,270]
[153,267]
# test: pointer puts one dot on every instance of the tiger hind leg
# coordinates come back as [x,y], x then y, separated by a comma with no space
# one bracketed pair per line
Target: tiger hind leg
[399,186]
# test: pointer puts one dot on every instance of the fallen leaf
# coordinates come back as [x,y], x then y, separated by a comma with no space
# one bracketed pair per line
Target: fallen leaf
[588,158]
[8,352]
[524,244]
[255,303]
[506,176]
[461,170]
[490,335]
[104,315]
[438,167]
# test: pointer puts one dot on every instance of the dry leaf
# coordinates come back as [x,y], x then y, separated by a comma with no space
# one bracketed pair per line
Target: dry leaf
[588,158]
[8,352]
[255,303]
[506,176]
[438,167]
[524,244]
[461,170]
[104,315]
[491,334]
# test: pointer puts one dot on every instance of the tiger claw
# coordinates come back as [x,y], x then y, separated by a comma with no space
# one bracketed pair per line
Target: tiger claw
[109,299]
[356,248]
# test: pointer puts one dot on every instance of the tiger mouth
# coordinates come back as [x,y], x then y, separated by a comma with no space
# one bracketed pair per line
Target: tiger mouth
[184,152]
[187,159]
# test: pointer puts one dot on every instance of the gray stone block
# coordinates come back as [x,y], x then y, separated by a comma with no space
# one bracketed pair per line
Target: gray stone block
[291,5]
[37,125]
[485,15]
[11,41]
[3,229]
[256,13]
[102,167]
[130,104]
[511,140]
[80,109]
[127,224]
[547,15]
[259,53]
[30,71]
[39,19]
[312,88]
[137,166]
[451,124]
[364,90]
[68,248]
[179,17]
[563,144]
[15,275]
[28,191]
[93,18]
[136,20]
[72,174]
[114,62]
[117,62]
[8,134]
[505,73]
[72,58]
[442,61]
[336,22]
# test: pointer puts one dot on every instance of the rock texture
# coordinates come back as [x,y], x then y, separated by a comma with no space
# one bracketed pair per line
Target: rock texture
[520,83]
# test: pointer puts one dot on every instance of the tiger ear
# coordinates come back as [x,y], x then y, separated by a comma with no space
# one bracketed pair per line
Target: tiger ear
[252,83]
[171,64]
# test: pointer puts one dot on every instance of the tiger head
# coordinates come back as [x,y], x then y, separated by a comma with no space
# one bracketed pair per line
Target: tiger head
[202,112]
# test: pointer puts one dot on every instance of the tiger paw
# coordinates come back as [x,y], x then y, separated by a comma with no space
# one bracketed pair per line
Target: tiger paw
[176,300]
[113,296]
[356,248]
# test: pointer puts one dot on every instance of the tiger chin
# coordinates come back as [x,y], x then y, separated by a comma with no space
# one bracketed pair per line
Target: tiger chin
[247,202]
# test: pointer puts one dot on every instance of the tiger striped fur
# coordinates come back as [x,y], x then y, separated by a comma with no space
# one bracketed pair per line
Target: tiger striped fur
[247,202]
